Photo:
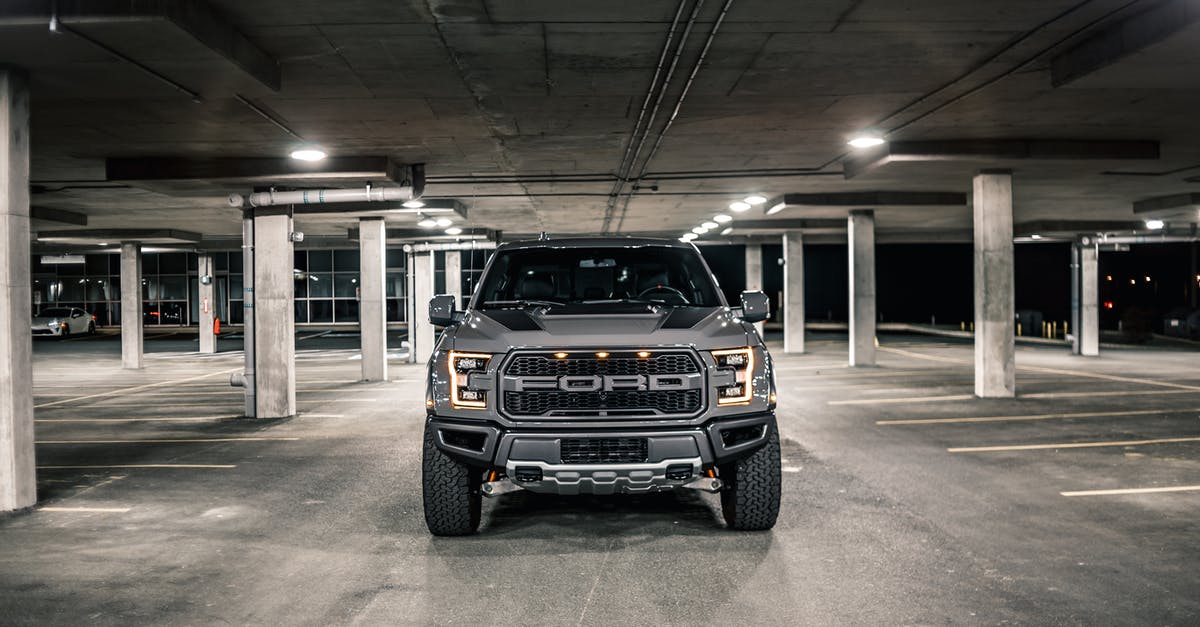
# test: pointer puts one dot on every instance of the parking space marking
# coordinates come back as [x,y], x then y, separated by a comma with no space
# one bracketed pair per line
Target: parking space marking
[108,466]
[1036,447]
[911,399]
[1117,393]
[1119,491]
[322,415]
[132,389]
[170,441]
[338,400]
[154,419]
[89,510]
[1020,417]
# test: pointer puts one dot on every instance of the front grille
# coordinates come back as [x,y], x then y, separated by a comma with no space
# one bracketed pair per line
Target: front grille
[604,402]
[603,450]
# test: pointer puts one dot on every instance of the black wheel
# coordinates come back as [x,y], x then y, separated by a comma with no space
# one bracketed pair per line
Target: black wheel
[91,328]
[66,332]
[450,491]
[750,499]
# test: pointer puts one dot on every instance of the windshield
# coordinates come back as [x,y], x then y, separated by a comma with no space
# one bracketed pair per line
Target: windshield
[561,276]
[55,313]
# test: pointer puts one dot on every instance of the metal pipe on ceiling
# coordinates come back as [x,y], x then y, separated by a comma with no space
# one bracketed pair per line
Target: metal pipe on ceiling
[321,196]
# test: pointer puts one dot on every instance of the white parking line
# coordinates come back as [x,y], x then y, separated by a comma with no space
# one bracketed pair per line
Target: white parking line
[156,419]
[169,441]
[1178,488]
[139,387]
[1035,447]
[89,510]
[1017,418]
[911,399]
[107,466]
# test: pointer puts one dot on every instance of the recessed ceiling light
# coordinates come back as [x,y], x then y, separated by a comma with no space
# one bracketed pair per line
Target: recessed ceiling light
[709,225]
[739,206]
[454,230]
[865,140]
[444,222]
[755,199]
[722,218]
[413,204]
[428,223]
[308,154]
[699,230]
[687,237]
[727,230]
[1155,225]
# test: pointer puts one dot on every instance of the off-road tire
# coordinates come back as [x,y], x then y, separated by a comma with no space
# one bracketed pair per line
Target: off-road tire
[750,498]
[450,490]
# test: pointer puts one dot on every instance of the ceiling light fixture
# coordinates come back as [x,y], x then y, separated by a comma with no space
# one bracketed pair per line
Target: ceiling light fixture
[413,204]
[699,230]
[727,230]
[444,222]
[739,206]
[689,236]
[454,230]
[755,199]
[427,223]
[1155,225]
[1035,236]
[308,154]
[722,218]
[709,225]
[866,140]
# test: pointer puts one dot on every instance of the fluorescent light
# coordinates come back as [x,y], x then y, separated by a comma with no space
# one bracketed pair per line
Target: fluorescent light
[739,206]
[687,237]
[755,199]
[1035,236]
[413,204]
[727,230]
[427,223]
[865,141]
[699,230]
[776,208]
[444,222]
[454,230]
[709,225]
[722,218]
[1155,225]
[308,154]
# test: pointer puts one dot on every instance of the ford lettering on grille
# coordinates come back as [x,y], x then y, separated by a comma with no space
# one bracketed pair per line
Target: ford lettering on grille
[665,383]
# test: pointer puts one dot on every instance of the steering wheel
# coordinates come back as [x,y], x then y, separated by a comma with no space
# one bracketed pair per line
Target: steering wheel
[663,288]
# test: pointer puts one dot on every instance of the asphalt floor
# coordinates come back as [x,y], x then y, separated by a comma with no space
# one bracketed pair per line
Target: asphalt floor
[906,501]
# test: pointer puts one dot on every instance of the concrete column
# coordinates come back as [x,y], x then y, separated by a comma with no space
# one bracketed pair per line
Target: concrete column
[208,302]
[372,302]
[454,275]
[18,484]
[754,273]
[793,293]
[995,355]
[1088,327]
[274,314]
[861,236]
[420,330]
[131,305]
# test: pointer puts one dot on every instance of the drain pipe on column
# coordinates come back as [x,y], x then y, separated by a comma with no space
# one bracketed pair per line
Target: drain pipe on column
[245,379]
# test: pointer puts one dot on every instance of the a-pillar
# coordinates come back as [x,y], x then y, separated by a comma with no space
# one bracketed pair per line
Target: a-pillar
[17,468]
[420,330]
[372,305]
[454,275]
[754,273]
[995,354]
[793,293]
[274,309]
[131,305]
[860,232]
[1087,321]
[207,289]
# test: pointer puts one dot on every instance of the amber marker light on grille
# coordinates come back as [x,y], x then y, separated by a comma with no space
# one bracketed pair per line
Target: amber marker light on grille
[458,380]
[643,354]
[601,355]
[560,355]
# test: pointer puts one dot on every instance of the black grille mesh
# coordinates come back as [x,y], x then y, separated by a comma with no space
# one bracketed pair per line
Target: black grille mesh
[541,402]
[603,450]
[617,402]
[668,363]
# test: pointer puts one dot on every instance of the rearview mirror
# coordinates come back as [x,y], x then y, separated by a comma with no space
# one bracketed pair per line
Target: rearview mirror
[756,307]
[441,310]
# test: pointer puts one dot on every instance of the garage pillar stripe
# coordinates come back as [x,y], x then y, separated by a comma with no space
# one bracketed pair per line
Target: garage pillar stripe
[17,473]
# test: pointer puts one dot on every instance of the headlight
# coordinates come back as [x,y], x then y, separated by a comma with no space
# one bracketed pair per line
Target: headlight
[741,362]
[461,365]
[53,324]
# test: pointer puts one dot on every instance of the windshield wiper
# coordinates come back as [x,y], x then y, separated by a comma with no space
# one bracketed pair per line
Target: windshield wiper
[638,301]
[523,303]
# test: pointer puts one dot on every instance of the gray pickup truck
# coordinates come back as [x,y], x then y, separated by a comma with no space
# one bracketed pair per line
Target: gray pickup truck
[599,366]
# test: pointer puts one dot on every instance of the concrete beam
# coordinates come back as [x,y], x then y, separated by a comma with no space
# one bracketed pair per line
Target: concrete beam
[430,235]
[1071,228]
[995,352]
[866,199]
[793,293]
[436,208]
[1179,207]
[998,149]
[208,302]
[1120,40]
[18,484]
[251,169]
[372,300]
[131,305]
[86,237]
[861,233]
[47,214]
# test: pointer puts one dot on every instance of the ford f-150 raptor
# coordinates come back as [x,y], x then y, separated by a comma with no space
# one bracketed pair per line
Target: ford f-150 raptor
[599,366]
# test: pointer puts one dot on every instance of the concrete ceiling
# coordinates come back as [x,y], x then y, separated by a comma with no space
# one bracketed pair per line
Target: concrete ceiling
[522,111]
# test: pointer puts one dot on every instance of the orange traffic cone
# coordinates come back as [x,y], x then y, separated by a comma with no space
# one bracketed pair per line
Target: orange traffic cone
[216,326]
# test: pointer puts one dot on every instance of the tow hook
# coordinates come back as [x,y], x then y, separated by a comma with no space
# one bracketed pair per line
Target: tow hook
[705,484]
[496,488]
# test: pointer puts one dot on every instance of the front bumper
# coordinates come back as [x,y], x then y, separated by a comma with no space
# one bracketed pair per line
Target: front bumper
[533,459]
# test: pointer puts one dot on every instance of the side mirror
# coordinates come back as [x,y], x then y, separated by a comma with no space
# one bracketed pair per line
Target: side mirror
[756,307]
[441,310]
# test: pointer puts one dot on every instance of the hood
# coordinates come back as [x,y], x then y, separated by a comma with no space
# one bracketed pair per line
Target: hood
[499,330]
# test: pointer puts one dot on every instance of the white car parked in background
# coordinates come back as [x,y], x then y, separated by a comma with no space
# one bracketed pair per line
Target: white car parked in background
[63,322]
